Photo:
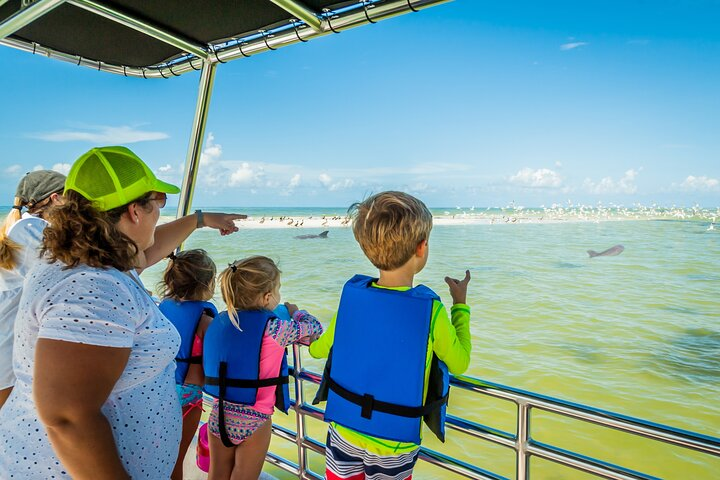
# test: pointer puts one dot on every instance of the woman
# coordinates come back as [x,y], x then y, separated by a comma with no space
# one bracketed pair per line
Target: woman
[95,394]
[20,238]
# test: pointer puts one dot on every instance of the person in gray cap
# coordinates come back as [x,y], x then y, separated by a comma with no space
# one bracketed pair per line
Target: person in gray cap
[20,238]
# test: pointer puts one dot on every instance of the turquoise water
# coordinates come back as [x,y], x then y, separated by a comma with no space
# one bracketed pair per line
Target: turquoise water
[638,333]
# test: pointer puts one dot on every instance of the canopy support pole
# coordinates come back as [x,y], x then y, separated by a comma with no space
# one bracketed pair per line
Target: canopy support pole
[27,16]
[192,162]
[301,12]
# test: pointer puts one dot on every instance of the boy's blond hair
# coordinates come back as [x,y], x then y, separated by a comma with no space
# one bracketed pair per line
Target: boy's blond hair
[389,226]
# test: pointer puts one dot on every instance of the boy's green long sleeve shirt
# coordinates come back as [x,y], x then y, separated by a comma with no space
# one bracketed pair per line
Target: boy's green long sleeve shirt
[449,340]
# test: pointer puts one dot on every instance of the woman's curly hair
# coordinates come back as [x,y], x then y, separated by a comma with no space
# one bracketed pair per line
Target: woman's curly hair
[80,234]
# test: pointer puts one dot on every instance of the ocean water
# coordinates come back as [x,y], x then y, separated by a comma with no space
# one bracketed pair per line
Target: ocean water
[638,333]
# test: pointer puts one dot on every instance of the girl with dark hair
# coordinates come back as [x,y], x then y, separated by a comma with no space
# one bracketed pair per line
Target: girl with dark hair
[187,287]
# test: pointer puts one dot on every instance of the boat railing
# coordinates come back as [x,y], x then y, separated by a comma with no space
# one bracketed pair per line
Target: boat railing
[521,441]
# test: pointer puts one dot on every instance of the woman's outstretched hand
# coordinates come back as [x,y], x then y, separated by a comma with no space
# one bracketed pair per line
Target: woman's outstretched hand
[225,222]
[458,288]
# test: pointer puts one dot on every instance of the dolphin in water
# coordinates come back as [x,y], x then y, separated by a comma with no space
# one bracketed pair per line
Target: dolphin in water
[305,237]
[610,252]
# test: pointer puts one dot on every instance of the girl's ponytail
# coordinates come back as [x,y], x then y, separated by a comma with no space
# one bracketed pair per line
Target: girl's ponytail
[245,281]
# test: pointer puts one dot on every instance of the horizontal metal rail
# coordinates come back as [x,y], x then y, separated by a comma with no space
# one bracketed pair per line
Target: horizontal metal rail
[269,38]
[520,441]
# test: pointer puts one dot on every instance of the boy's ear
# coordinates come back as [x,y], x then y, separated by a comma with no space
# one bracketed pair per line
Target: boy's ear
[421,247]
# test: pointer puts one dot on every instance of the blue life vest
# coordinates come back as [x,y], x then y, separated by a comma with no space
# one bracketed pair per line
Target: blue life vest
[185,316]
[375,374]
[231,361]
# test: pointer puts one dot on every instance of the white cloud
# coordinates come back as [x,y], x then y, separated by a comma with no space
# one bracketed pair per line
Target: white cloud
[63,168]
[38,167]
[540,178]
[626,184]
[558,164]
[328,183]
[166,168]
[294,181]
[325,179]
[572,45]
[101,135]
[243,175]
[700,183]
[341,185]
[13,169]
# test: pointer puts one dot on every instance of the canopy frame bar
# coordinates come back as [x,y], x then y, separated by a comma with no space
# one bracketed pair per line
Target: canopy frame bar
[301,12]
[142,26]
[27,15]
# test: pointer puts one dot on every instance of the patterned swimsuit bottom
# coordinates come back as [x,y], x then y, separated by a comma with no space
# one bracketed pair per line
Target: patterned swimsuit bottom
[241,421]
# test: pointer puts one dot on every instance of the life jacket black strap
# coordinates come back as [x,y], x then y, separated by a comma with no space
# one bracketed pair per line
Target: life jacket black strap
[368,403]
[197,359]
[244,383]
[221,406]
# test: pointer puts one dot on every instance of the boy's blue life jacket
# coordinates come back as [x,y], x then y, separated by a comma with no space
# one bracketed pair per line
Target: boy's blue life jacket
[231,360]
[185,316]
[374,377]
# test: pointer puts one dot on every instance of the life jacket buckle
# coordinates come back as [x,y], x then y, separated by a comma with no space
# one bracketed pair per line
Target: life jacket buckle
[368,403]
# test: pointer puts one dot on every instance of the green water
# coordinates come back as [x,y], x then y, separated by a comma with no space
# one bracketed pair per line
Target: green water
[638,334]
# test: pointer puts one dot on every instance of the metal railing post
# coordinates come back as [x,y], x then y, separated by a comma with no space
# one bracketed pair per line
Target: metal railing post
[299,415]
[521,442]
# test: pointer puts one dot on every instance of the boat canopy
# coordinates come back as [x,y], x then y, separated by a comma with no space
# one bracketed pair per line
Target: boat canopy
[166,38]
[161,38]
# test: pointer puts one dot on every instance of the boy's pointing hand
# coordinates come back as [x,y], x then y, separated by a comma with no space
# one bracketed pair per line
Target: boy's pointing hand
[458,288]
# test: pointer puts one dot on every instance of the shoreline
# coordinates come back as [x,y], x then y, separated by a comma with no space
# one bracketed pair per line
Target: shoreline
[333,222]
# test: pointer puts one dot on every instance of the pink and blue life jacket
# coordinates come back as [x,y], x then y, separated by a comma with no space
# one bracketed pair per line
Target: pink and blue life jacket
[231,361]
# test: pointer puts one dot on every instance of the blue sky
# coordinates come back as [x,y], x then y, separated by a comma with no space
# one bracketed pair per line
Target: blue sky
[468,103]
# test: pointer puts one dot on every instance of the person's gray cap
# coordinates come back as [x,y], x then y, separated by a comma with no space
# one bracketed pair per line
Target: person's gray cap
[38,185]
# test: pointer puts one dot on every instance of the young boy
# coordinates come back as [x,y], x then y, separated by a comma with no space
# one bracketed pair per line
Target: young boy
[389,347]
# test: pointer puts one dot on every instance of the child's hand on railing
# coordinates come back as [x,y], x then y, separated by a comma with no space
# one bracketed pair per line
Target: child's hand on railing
[292,308]
[458,288]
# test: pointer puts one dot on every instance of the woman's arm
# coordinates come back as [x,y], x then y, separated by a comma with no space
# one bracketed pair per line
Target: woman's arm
[170,235]
[71,382]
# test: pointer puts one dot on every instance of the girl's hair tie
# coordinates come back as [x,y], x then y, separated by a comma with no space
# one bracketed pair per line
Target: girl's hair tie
[233,267]
[17,207]
[172,256]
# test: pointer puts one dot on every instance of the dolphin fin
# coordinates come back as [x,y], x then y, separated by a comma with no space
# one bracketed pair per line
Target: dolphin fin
[592,253]
[324,234]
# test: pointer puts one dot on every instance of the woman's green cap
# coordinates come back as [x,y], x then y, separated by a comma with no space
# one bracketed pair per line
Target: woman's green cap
[113,176]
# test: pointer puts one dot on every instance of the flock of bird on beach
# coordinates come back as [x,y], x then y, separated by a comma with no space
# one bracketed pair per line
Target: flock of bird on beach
[518,214]
[570,212]
[299,222]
